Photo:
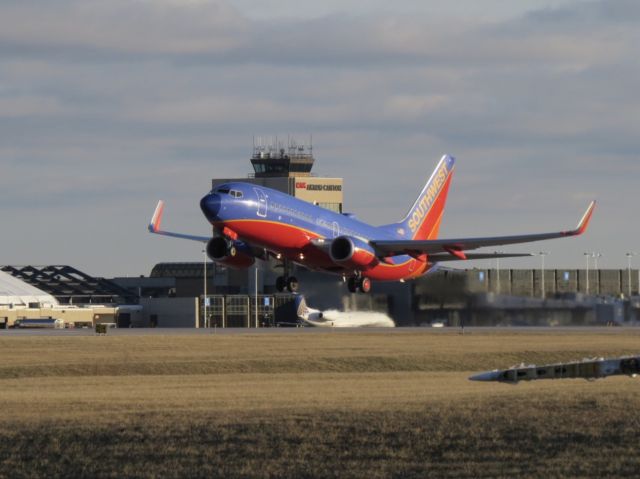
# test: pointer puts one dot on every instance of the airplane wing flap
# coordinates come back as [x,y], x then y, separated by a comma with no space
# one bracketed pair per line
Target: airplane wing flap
[393,247]
[440,257]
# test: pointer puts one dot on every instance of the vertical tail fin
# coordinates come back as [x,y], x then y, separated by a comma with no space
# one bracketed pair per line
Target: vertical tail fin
[423,219]
[301,307]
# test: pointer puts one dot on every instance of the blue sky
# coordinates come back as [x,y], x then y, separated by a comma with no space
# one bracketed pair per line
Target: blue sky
[106,107]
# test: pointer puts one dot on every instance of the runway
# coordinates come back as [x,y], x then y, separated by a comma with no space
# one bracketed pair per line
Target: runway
[311,330]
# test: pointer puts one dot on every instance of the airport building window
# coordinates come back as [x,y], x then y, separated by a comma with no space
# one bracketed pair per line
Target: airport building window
[337,207]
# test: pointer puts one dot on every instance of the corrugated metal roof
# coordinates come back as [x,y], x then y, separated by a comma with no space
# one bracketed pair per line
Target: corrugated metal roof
[69,285]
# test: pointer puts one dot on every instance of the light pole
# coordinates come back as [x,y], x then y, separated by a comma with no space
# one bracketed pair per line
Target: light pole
[542,254]
[256,298]
[205,288]
[595,256]
[629,255]
[498,272]
[587,256]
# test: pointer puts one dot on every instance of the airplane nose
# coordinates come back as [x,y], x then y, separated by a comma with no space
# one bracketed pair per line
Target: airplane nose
[210,206]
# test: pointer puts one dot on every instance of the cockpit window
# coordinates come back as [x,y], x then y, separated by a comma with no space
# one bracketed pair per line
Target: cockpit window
[225,190]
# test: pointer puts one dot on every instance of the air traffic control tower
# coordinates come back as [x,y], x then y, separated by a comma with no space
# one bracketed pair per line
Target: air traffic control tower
[287,168]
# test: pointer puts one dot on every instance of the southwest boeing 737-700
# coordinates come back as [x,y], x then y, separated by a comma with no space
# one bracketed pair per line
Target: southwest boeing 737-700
[250,221]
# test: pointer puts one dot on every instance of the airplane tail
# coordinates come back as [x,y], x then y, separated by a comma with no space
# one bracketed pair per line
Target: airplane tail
[301,306]
[423,219]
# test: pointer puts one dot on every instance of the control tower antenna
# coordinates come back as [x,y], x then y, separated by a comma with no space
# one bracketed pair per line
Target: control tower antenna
[270,158]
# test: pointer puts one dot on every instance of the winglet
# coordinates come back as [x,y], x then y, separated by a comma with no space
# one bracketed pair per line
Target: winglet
[156,219]
[584,222]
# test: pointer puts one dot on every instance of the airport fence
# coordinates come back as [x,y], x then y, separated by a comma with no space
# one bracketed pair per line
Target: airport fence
[247,311]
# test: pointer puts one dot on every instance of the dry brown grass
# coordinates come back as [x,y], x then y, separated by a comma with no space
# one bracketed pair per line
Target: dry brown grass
[311,405]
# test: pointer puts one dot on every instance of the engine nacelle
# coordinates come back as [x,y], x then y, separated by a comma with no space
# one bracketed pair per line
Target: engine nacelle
[235,254]
[353,253]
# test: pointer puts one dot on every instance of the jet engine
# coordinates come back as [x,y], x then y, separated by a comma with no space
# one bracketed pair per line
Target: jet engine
[235,254]
[353,253]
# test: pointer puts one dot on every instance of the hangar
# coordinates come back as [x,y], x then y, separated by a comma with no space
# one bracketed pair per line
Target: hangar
[15,293]
[69,285]
[63,293]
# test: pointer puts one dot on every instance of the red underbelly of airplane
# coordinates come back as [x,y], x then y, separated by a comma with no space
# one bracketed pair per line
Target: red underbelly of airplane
[270,234]
[410,269]
[291,241]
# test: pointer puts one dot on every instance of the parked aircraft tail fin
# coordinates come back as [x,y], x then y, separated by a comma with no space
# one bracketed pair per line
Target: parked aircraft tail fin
[301,306]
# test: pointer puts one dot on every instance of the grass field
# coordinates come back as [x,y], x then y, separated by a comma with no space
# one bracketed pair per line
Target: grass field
[335,404]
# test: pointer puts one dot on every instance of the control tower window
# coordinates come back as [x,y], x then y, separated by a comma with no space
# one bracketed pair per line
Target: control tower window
[271,168]
[300,167]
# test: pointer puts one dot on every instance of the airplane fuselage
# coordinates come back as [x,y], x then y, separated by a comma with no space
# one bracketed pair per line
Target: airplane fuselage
[294,228]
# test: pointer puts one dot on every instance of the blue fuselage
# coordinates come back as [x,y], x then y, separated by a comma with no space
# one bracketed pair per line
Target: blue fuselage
[284,225]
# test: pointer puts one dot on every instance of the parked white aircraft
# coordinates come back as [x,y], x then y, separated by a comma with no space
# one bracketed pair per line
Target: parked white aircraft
[341,319]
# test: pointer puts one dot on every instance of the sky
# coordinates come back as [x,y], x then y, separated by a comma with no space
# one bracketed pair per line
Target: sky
[108,106]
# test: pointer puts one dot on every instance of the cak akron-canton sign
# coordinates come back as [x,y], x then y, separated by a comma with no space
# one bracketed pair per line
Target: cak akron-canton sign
[323,190]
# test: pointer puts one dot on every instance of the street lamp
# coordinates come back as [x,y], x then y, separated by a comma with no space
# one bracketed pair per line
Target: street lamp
[498,272]
[595,256]
[629,255]
[587,255]
[256,297]
[542,254]
[204,300]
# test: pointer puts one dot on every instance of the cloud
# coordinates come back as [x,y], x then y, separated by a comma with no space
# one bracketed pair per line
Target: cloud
[107,106]
[122,26]
[213,31]
[588,14]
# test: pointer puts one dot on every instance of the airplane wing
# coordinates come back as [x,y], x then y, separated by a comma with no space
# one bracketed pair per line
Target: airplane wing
[156,219]
[456,247]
